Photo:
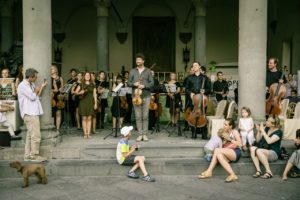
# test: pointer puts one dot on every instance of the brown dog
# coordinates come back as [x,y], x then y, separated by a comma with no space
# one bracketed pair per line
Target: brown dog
[28,170]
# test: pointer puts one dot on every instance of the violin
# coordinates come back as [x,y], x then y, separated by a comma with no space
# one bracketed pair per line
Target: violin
[123,102]
[53,102]
[137,100]
[60,104]
[153,105]
[277,92]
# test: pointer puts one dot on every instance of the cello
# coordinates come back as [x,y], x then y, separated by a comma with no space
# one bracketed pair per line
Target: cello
[196,117]
[277,91]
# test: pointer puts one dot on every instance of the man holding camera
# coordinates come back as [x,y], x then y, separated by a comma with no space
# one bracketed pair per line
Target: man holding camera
[31,109]
[125,156]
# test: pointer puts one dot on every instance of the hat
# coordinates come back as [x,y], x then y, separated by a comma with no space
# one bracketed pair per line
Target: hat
[126,130]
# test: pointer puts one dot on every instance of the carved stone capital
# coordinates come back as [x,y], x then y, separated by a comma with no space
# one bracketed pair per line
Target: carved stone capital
[200,7]
[102,7]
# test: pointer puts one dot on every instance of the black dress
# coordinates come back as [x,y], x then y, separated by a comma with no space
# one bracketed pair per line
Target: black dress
[175,102]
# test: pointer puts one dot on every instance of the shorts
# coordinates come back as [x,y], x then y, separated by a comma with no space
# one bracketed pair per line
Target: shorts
[129,161]
[237,153]
[272,156]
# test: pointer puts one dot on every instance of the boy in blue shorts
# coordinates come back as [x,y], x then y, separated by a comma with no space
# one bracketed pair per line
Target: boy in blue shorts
[125,156]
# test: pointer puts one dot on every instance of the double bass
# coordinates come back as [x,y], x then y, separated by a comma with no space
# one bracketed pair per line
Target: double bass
[277,92]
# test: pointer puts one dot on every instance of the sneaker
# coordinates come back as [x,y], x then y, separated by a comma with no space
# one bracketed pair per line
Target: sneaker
[208,157]
[132,175]
[148,178]
[35,158]
[145,138]
[140,138]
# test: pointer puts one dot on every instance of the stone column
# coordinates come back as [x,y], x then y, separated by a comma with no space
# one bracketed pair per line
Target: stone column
[296,48]
[6,25]
[102,38]
[200,31]
[252,55]
[37,53]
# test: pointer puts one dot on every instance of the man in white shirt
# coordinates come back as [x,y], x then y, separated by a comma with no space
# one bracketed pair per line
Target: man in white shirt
[31,109]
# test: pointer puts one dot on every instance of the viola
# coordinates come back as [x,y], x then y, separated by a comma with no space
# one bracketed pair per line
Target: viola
[277,92]
[137,100]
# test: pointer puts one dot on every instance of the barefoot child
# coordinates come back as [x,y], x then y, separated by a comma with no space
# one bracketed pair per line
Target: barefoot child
[246,126]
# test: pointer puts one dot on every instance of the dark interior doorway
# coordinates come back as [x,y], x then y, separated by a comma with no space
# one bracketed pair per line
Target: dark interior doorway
[155,38]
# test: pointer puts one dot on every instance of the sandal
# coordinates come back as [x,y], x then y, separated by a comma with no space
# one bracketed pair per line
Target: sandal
[294,175]
[204,175]
[257,174]
[231,178]
[267,175]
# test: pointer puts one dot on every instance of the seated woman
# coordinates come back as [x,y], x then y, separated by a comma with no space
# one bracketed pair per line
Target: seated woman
[267,150]
[294,160]
[230,152]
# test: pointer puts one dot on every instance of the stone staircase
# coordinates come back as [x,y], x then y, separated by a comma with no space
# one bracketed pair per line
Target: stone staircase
[76,156]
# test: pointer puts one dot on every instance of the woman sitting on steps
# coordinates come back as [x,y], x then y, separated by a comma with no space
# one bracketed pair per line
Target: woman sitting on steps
[230,152]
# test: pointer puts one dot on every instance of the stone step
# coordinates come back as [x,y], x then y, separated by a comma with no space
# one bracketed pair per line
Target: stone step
[109,167]
[109,152]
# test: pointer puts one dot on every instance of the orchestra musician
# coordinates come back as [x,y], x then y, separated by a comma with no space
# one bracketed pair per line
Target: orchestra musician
[119,105]
[102,90]
[273,75]
[194,86]
[71,108]
[96,110]
[173,100]
[57,83]
[155,107]
[188,100]
[87,103]
[220,87]
[127,118]
[75,98]
[140,78]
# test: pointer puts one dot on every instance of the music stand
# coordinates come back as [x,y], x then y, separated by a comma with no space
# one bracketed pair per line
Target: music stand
[104,95]
[171,88]
[65,90]
[156,127]
[117,92]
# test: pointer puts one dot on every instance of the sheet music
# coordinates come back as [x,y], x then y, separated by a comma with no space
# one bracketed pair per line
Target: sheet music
[129,90]
[118,87]
[170,88]
[66,88]
[123,92]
